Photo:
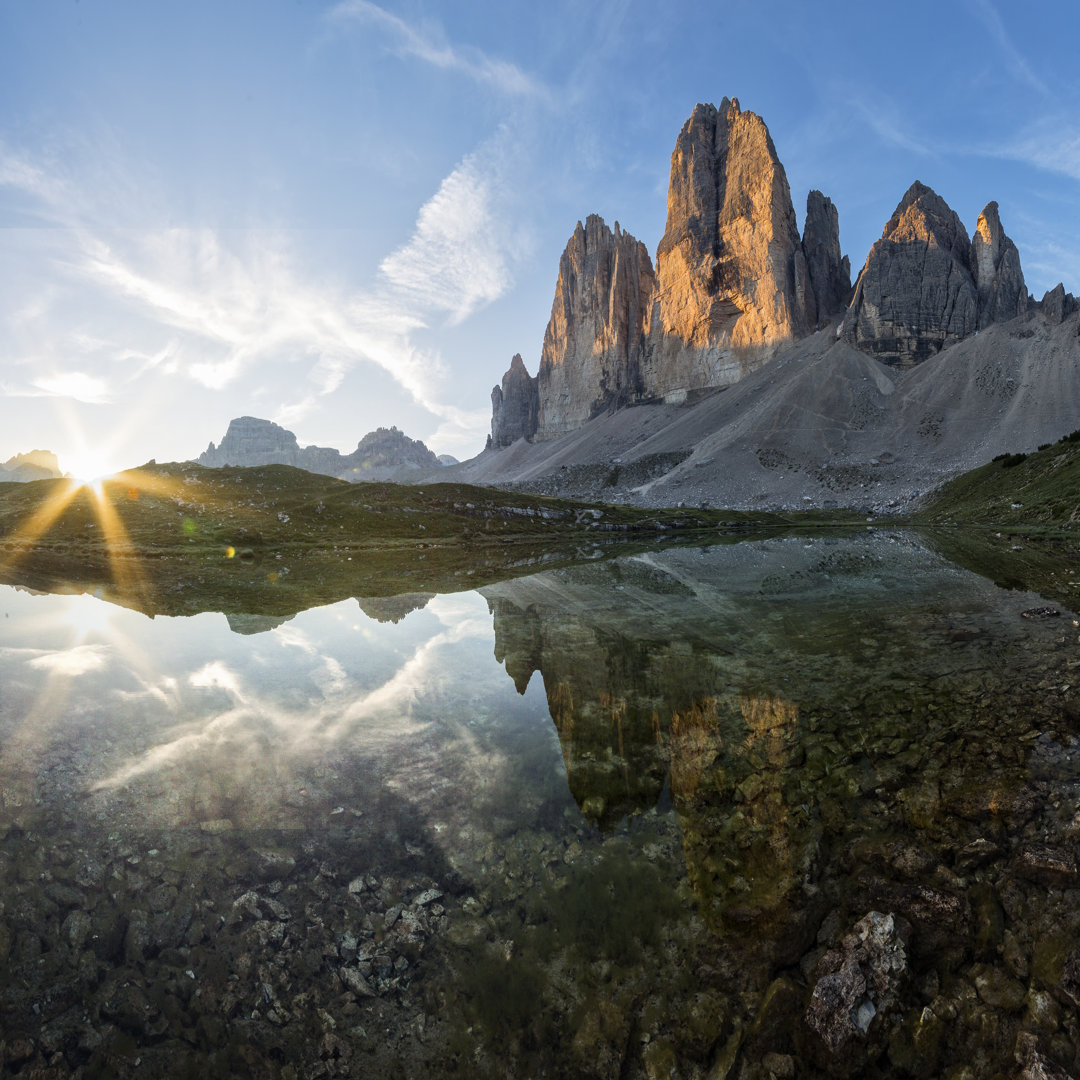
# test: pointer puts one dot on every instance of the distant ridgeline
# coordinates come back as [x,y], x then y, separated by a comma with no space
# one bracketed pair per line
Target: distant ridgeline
[36,465]
[382,454]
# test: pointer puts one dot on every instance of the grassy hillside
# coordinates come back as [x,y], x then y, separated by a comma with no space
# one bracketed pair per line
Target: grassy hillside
[1040,491]
[174,539]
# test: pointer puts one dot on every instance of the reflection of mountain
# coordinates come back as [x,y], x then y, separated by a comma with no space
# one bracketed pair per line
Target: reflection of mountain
[785,693]
[393,608]
[646,661]
[255,624]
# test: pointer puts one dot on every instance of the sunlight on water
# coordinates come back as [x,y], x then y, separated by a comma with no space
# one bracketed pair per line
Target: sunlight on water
[613,820]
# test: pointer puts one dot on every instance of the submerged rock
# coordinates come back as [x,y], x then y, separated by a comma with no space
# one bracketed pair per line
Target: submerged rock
[859,979]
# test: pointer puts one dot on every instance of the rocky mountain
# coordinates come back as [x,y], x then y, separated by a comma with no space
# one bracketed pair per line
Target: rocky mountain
[515,406]
[926,286]
[35,465]
[943,359]
[382,454]
[733,282]
[595,338]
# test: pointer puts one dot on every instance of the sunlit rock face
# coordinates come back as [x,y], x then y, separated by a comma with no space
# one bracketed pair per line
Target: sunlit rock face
[732,279]
[925,286]
[514,406]
[591,359]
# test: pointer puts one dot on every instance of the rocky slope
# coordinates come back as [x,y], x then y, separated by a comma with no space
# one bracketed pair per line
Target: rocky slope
[380,455]
[35,465]
[819,423]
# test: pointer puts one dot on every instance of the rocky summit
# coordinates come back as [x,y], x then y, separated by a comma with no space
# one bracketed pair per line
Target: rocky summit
[937,360]
[380,455]
[926,286]
[733,281]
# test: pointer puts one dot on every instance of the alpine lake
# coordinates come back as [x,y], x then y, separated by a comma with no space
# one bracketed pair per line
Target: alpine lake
[793,806]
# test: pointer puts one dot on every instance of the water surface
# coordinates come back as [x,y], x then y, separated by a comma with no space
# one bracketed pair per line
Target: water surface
[621,819]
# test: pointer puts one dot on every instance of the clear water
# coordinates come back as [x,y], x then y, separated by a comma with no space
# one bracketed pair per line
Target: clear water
[617,820]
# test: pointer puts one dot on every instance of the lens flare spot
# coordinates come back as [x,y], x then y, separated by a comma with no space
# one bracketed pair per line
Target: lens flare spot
[188,527]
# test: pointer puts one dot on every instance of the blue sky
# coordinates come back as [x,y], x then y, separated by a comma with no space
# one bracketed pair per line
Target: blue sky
[341,215]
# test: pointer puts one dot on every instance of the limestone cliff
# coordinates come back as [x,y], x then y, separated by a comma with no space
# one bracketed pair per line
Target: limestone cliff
[995,267]
[514,406]
[925,286]
[829,272]
[732,280]
[591,359]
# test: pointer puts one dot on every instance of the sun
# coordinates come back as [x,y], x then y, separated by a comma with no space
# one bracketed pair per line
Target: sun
[89,467]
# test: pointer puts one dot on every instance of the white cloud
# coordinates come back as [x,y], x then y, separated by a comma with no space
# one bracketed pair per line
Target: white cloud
[456,260]
[215,307]
[76,385]
[429,46]
[1053,145]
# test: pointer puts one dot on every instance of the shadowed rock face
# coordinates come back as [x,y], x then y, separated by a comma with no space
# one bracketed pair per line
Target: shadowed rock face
[925,286]
[514,406]
[829,271]
[995,266]
[35,465]
[599,319]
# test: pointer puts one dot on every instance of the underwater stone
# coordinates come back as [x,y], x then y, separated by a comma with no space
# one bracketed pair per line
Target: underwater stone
[859,979]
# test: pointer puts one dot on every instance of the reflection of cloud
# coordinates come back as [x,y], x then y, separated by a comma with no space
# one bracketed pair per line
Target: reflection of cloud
[259,723]
[411,41]
[72,662]
[217,676]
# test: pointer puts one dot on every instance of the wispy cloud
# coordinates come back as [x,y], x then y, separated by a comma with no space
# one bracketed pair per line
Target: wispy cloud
[1053,145]
[430,46]
[457,259]
[76,385]
[1015,61]
[881,117]
[213,307]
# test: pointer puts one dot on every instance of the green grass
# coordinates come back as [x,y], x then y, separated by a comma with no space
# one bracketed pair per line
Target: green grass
[1039,491]
[180,538]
